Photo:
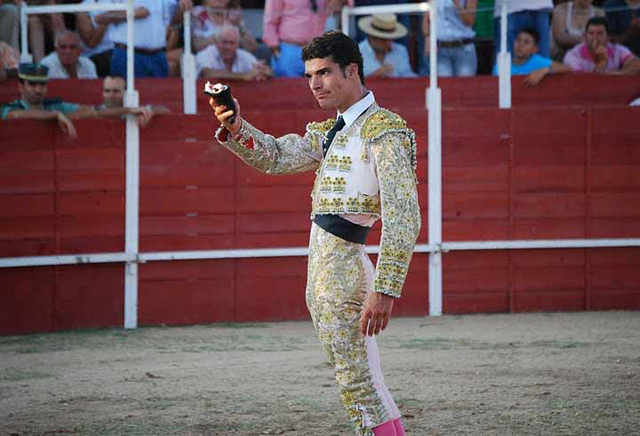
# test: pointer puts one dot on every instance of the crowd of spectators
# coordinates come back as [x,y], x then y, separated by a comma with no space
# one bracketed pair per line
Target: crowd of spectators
[93,44]
[544,37]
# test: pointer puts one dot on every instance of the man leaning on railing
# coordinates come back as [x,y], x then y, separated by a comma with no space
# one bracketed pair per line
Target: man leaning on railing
[598,55]
[35,105]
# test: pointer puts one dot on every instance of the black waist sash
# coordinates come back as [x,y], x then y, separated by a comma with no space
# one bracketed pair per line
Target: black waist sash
[342,228]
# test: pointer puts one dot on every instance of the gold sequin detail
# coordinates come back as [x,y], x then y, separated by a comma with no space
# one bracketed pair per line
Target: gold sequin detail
[340,141]
[400,213]
[321,127]
[332,162]
[345,163]
[380,122]
[339,185]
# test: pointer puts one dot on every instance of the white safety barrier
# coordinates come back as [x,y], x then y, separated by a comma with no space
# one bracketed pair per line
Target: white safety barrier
[189,75]
[504,62]
[132,257]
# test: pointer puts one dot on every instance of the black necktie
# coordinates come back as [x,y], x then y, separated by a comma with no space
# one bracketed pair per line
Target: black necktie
[332,133]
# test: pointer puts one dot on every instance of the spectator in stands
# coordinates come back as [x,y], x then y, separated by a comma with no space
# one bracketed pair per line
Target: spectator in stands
[456,48]
[526,60]
[404,19]
[234,17]
[483,29]
[334,12]
[596,54]
[534,14]
[209,18]
[382,57]
[53,24]
[624,19]
[152,19]
[96,38]
[206,23]
[65,62]
[568,24]
[10,23]
[175,49]
[289,25]
[225,60]
[35,105]
[113,89]
[9,58]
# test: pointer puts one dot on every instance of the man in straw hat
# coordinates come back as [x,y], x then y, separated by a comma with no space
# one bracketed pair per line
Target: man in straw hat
[383,57]
[365,162]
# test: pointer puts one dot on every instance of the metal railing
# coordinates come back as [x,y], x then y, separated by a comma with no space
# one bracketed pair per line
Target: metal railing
[132,169]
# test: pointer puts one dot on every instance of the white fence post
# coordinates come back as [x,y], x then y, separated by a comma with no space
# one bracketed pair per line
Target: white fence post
[504,62]
[132,194]
[24,34]
[434,106]
[188,70]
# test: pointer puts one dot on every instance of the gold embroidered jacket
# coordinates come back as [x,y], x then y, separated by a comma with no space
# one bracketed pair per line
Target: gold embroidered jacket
[369,169]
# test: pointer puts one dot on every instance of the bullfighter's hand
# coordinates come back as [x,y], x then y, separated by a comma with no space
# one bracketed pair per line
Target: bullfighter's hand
[222,114]
[376,313]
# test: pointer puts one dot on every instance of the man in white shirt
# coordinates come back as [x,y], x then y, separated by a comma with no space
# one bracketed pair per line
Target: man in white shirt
[534,14]
[98,44]
[383,57]
[66,63]
[150,26]
[226,60]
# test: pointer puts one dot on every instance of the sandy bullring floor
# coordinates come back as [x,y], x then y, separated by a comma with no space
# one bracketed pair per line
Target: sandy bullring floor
[530,374]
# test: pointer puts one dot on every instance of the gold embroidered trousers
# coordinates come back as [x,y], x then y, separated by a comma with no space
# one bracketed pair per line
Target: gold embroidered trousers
[340,276]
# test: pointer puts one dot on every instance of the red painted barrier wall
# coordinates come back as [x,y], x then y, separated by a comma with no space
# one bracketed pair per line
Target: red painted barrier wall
[533,172]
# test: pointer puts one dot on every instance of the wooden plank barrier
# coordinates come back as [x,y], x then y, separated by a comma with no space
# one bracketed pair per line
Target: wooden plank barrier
[567,169]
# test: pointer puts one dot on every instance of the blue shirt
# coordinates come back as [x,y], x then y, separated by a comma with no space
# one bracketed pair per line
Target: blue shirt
[397,56]
[535,63]
[49,104]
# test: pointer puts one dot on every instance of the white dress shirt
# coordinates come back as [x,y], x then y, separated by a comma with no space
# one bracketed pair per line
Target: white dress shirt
[398,57]
[86,68]
[149,32]
[210,58]
[106,43]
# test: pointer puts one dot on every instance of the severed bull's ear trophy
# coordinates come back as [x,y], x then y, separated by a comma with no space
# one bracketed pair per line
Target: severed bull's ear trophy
[222,95]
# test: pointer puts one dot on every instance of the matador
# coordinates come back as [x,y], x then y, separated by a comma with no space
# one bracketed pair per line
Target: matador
[365,162]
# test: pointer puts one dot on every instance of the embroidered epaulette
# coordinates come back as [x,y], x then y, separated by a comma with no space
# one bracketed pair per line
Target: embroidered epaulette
[380,122]
[384,121]
[322,127]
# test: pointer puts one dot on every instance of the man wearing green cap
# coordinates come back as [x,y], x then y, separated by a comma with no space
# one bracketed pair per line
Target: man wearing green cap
[34,104]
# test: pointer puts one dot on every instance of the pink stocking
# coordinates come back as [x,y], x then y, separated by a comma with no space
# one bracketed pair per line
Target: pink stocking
[399,428]
[386,429]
